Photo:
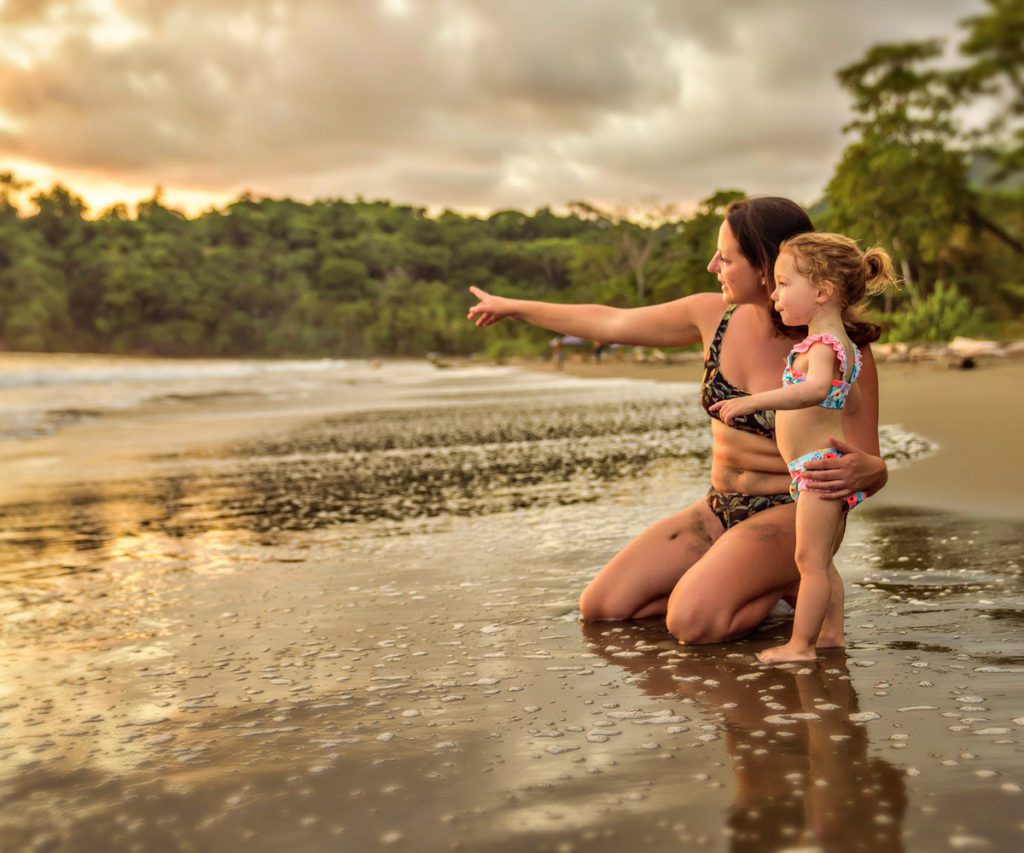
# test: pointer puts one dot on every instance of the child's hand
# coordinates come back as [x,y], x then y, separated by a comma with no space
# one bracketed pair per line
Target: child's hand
[729,410]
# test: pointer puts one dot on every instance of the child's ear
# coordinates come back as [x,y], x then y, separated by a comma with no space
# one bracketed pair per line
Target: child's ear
[826,290]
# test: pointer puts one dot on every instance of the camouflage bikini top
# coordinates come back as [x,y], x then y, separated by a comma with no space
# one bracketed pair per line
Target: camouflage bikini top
[715,387]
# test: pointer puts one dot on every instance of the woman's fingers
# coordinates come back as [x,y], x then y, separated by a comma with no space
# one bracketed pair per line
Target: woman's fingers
[842,446]
[831,478]
[831,494]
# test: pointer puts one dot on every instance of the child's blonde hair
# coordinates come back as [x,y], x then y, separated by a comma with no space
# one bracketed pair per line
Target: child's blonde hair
[855,274]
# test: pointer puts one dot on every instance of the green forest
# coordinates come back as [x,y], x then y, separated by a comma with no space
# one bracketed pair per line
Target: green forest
[274,277]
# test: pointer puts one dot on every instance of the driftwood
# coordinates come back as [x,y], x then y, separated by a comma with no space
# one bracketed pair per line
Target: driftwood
[962,353]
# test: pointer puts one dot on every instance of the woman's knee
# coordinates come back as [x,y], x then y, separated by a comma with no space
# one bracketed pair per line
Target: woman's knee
[690,623]
[597,605]
[590,604]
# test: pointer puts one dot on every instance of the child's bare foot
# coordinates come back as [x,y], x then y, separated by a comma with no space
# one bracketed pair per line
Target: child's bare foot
[828,640]
[786,653]
[832,634]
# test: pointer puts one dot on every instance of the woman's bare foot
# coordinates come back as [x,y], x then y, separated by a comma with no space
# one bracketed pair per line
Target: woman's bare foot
[786,653]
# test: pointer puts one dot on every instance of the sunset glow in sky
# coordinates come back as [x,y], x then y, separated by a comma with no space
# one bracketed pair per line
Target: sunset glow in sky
[471,104]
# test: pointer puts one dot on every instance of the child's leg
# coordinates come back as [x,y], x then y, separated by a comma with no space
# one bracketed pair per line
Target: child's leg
[833,633]
[817,522]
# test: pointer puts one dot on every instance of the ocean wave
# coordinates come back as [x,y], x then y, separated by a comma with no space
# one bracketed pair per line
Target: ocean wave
[91,374]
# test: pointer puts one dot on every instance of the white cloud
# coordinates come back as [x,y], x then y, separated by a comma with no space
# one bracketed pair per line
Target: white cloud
[470,103]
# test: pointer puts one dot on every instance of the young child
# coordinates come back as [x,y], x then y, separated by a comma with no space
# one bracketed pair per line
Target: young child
[819,278]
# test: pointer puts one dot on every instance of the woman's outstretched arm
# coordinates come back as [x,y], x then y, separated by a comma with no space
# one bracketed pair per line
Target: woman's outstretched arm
[669,324]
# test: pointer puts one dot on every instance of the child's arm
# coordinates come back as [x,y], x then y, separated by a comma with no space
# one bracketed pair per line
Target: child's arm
[821,359]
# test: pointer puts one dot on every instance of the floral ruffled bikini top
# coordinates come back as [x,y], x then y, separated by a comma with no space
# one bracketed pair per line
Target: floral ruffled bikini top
[836,398]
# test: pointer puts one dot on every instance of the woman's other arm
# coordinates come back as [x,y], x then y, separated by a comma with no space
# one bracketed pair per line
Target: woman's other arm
[669,324]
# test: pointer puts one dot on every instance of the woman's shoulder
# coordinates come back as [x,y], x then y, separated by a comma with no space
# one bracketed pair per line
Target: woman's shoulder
[703,310]
[707,305]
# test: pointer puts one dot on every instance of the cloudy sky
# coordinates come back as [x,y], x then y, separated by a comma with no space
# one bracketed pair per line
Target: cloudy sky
[471,104]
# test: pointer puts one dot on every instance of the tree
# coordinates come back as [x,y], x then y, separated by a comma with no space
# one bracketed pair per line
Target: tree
[995,47]
[902,183]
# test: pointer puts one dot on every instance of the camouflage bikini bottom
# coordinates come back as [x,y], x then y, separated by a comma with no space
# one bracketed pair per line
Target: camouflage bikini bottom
[731,508]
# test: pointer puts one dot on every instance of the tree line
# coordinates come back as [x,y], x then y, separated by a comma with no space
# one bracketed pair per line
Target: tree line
[277,277]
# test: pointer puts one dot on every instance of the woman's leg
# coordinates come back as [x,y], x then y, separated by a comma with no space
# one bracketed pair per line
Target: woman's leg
[817,522]
[638,580]
[731,588]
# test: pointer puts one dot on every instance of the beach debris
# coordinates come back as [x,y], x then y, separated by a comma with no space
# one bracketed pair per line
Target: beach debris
[973,348]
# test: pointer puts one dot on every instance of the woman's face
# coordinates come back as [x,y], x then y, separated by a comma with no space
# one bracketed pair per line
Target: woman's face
[741,282]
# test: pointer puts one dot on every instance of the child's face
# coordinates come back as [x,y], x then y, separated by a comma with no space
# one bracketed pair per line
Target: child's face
[796,297]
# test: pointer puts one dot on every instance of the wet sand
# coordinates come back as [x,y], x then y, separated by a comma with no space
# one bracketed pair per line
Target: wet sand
[346,620]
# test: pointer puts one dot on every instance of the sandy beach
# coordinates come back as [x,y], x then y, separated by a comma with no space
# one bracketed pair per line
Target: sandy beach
[333,606]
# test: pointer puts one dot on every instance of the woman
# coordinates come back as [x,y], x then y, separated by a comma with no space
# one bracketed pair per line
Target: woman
[716,568]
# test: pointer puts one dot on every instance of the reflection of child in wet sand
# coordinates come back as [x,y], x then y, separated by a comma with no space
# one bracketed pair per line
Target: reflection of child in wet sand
[819,279]
[804,772]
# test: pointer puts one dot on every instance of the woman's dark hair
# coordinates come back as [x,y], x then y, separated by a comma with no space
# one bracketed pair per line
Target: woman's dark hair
[760,225]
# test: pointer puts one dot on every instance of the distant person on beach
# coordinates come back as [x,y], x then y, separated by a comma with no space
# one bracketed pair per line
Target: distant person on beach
[819,281]
[558,345]
[557,354]
[717,567]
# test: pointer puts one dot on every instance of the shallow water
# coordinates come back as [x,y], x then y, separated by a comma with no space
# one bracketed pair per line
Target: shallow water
[360,632]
